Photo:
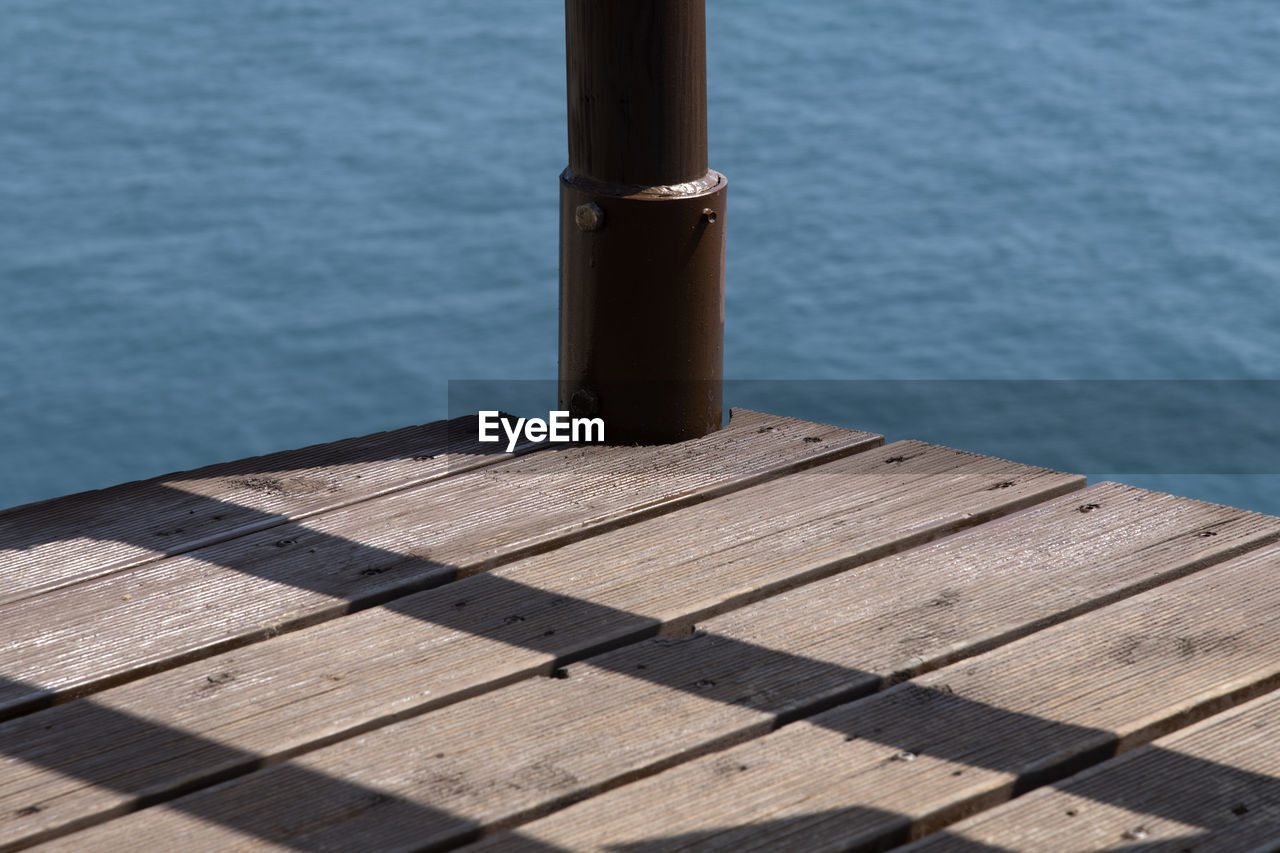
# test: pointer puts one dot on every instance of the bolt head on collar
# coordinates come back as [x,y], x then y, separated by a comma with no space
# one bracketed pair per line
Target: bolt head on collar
[589,217]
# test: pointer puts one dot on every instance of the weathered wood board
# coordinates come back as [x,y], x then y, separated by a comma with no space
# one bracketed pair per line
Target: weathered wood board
[67,540]
[80,638]
[444,645]
[1211,788]
[537,745]
[912,759]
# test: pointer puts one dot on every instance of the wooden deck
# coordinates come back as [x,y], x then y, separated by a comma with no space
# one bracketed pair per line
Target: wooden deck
[783,636]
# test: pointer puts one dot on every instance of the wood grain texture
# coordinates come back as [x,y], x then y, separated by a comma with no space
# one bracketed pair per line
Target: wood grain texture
[437,647]
[83,637]
[1210,788]
[528,748]
[66,540]
[908,761]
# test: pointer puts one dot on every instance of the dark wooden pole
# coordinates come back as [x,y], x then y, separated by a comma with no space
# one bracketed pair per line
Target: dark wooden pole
[641,224]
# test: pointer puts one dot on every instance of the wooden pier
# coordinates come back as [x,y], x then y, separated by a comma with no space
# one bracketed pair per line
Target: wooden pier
[780,636]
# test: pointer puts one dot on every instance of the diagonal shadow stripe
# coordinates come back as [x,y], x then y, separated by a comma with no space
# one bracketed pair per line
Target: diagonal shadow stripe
[1232,829]
[167,747]
[789,833]
[161,518]
[315,576]
[814,685]
[388,582]
[331,574]
[1235,808]
[203,762]
[164,517]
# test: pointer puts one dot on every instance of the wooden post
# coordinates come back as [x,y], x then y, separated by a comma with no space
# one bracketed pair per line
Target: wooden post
[642,221]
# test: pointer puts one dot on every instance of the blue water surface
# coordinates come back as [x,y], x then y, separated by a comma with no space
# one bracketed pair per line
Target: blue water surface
[232,228]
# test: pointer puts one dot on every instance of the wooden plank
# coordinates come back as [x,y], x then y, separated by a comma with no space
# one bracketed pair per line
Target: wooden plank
[86,760]
[84,637]
[1211,788]
[523,750]
[908,761]
[66,540]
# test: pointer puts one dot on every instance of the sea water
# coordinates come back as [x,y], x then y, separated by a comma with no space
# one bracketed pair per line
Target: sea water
[1046,231]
